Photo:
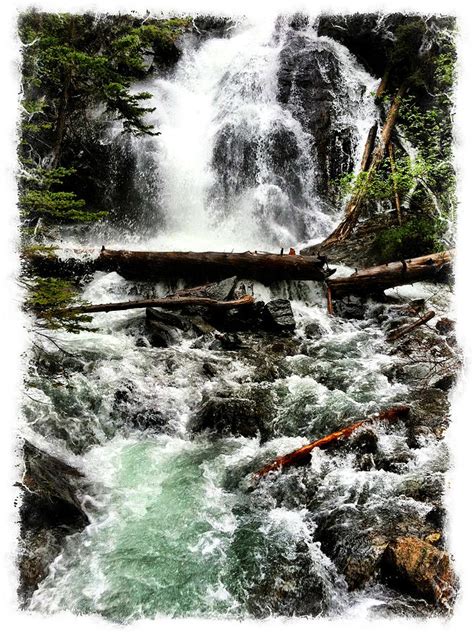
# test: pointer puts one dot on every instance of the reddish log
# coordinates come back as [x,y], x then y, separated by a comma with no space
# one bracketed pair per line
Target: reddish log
[301,454]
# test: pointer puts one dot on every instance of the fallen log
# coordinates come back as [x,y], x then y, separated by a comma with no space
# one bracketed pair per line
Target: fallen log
[265,267]
[302,454]
[174,301]
[354,205]
[394,335]
[199,267]
[378,278]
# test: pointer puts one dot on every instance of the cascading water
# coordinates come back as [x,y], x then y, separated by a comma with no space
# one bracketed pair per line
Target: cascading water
[176,525]
[237,159]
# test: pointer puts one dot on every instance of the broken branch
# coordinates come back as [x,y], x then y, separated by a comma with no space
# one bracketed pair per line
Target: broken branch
[406,329]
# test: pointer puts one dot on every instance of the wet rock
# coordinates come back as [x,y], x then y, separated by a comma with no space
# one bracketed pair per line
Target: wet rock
[145,419]
[446,383]
[248,412]
[164,327]
[50,510]
[167,317]
[309,81]
[278,316]
[218,291]
[366,462]
[350,307]
[422,488]
[51,478]
[415,566]
[313,330]
[429,408]
[210,370]
[228,342]
[365,441]
[437,517]
[221,416]
[267,370]
[213,26]
[418,436]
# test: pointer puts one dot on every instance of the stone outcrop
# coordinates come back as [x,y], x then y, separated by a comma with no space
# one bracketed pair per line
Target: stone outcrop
[419,567]
[50,510]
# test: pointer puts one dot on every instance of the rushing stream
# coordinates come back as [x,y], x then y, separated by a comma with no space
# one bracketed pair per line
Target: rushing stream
[177,525]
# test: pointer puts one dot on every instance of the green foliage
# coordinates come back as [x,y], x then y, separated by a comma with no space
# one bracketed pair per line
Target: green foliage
[48,296]
[128,105]
[74,67]
[39,199]
[418,236]
[429,127]
[407,59]
[79,58]
[382,183]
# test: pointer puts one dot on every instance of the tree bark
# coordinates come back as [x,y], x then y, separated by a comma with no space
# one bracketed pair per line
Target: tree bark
[171,302]
[197,267]
[395,188]
[369,146]
[63,104]
[301,455]
[406,329]
[383,84]
[353,207]
[211,266]
[378,278]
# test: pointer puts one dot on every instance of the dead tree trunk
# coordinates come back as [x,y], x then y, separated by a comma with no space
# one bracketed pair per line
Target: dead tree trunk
[369,146]
[196,267]
[383,84]
[378,278]
[210,266]
[353,207]
[406,329]
[300,456]
[395,187]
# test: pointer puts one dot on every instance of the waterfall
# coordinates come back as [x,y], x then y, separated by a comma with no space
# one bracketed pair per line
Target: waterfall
[236,164]
[254,129]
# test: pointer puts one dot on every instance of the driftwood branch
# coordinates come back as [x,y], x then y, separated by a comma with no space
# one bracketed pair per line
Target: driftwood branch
[301,455]
[378,278]
[406,329]
[172,302]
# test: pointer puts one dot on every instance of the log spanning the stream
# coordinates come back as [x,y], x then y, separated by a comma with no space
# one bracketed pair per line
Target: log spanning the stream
[302,455]
[379,278]
[149,265]
[171,302]
[203,266]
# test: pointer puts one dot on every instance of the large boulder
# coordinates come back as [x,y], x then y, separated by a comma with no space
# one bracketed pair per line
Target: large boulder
[311,83]
[51,478]
[278,316]
[248,412]
[420,568]
[221,416]
[50,510]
